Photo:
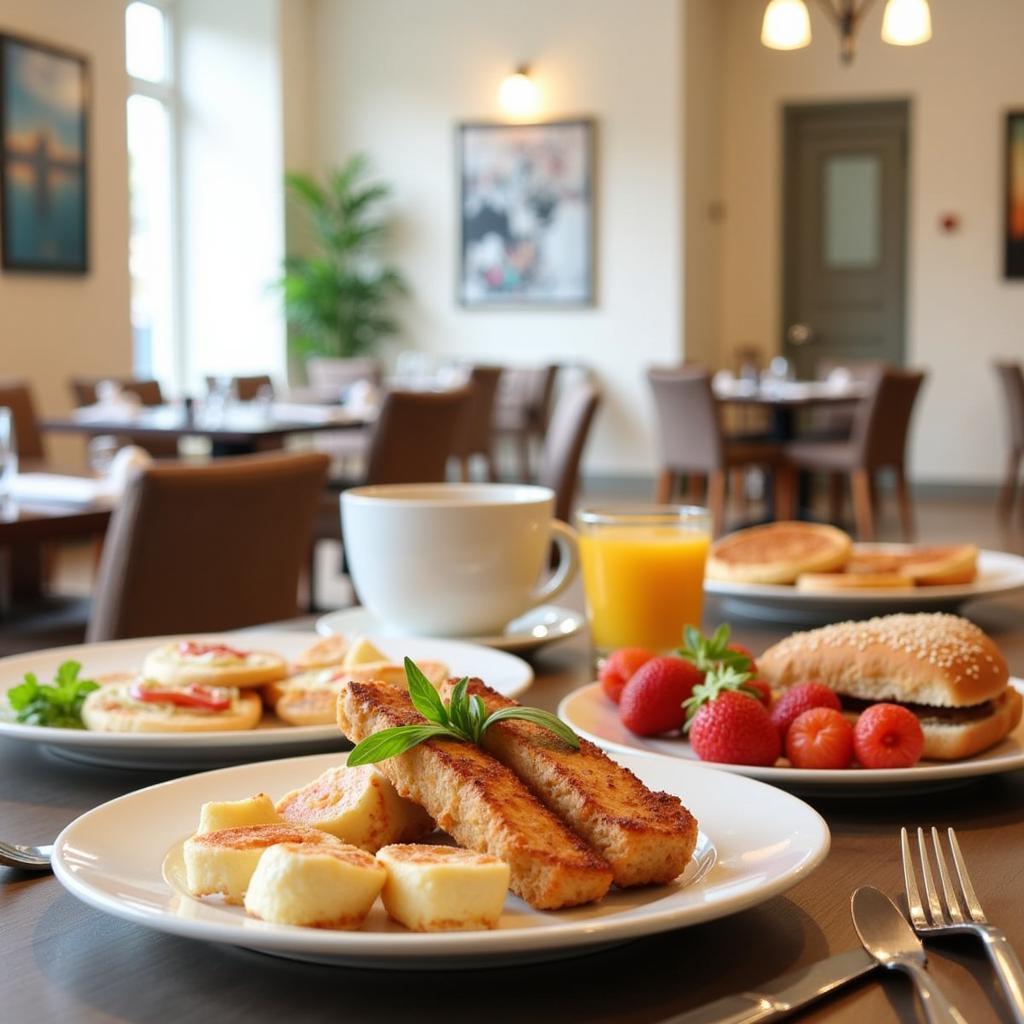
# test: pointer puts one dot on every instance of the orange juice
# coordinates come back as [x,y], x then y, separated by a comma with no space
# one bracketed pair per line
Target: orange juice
[643,583]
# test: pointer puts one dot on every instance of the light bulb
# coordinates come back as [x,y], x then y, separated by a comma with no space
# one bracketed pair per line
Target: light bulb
[907,22]
[786,25]
[518,95]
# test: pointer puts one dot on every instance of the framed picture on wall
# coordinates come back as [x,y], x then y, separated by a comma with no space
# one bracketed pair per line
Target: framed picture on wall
[526,214]
[1014,266]
[44,100]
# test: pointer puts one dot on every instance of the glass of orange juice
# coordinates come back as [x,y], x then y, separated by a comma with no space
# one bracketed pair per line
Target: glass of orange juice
[643,573]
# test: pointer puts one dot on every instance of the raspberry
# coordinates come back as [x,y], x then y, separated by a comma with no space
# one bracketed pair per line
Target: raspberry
[798,699]
[820,738]
[652,701]
[620,668]
[734,728]
[888,736]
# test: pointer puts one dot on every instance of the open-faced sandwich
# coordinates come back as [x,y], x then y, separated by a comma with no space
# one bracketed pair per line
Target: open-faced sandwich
[941,667]
[212,664]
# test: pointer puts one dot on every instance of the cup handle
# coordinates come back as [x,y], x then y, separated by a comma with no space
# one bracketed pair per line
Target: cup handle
[564,537]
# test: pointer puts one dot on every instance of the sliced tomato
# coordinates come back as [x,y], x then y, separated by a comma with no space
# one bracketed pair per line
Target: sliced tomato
[192,649]
[193,696]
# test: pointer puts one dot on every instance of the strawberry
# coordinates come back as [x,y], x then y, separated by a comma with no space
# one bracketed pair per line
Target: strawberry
[619,669]
[652,701]
[729,725]
[888,736]
[712,652]
[764,691]
[798,699]
[820,738]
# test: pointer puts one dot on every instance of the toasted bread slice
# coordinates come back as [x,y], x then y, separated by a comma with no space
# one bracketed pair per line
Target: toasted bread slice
[480,803]
[646,837]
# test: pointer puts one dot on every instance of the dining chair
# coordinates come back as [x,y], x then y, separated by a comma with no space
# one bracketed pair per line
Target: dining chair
[567,434]
[475,436]
[878,441]
[84,389]
[522,410]
[245,389]
[835,422]
[693,444]
[16,395]
[1011,377]
[210,547]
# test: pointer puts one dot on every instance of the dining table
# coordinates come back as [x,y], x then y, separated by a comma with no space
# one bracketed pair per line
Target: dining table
[64,961]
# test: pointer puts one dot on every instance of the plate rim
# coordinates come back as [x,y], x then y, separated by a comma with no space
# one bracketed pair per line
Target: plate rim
[846,778]
[760,592]
[231,739]
[398,946]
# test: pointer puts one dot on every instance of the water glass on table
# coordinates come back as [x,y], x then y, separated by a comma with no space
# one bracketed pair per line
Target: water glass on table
[643,573]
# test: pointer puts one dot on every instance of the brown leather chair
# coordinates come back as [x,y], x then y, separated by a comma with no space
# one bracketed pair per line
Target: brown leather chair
[694,444]
[566,437]
[1011,377]
[879,440]
[203,548]
[149,392]
[16,395]
[245,388]
[522,409]
[476,434]
[83,389]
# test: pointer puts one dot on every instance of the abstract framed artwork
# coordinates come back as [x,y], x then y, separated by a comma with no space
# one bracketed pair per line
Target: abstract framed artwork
[526,214]
[44,100]
[1014,244]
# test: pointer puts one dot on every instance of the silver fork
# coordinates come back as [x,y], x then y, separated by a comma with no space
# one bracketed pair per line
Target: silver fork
[951,919]
[28,858]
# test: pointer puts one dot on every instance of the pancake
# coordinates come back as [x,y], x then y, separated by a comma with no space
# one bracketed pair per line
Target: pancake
[843,582]
[934,565]
[778,553]
[331,650]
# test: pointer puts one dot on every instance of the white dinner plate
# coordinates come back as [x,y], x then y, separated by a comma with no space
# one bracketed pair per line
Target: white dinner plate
[272,738]
[999,573]
[596,718]
[537,627]
[125,859]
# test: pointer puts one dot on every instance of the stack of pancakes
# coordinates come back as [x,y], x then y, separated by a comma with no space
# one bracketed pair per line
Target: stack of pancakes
[824,559]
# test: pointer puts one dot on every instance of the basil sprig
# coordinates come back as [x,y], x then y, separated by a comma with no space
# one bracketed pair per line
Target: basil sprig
[462,718]
[54,704]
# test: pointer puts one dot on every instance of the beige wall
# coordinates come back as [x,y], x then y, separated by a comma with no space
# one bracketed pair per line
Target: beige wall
[53,326]
[961,314]
[394,77]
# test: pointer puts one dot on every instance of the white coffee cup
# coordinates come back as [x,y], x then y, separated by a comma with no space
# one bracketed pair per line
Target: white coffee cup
[454,559]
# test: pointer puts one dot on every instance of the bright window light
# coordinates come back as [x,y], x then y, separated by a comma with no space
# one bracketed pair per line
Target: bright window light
[907,22]
[146,41]
[786,25]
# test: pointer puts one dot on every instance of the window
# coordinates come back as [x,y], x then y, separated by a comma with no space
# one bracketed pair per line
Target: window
[151,159]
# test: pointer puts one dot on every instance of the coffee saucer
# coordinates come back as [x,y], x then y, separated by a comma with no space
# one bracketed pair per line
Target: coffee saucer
[540,626]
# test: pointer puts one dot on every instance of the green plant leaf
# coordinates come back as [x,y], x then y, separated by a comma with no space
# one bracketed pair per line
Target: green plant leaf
[391,742]
[425,699]
[538,717]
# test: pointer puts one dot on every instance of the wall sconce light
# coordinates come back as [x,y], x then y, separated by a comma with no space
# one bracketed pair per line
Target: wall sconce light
[518,95]
[787,25]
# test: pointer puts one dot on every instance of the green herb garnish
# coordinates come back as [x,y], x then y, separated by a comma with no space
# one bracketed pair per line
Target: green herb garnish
[712,652]
[462,718]
[57,704]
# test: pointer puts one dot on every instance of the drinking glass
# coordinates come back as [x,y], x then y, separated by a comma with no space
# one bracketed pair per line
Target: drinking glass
[643,573]
[8,456]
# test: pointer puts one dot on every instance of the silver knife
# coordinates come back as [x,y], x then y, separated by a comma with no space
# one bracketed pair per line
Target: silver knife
[784,995]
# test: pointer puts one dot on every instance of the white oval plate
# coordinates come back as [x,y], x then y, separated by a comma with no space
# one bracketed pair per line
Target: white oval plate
[999,573]
[596,718]
[540,626]
[272,738]
[124,858]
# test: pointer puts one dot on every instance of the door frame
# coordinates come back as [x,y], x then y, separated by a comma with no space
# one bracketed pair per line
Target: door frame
[888,112]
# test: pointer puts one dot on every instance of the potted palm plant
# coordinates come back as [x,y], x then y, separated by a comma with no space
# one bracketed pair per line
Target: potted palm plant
[338,298]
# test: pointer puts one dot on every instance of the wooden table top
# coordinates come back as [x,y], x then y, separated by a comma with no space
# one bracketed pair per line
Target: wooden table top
[64,961]
[35,521]
[789,393]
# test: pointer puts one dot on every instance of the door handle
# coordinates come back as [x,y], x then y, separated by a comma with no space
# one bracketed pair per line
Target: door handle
[799,334]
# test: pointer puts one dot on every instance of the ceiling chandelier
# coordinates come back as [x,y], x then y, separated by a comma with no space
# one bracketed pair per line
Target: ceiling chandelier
[787,24]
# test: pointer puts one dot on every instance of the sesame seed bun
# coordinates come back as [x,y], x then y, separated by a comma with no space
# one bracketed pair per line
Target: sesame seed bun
[949,741]
[936,659]
[778,552]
